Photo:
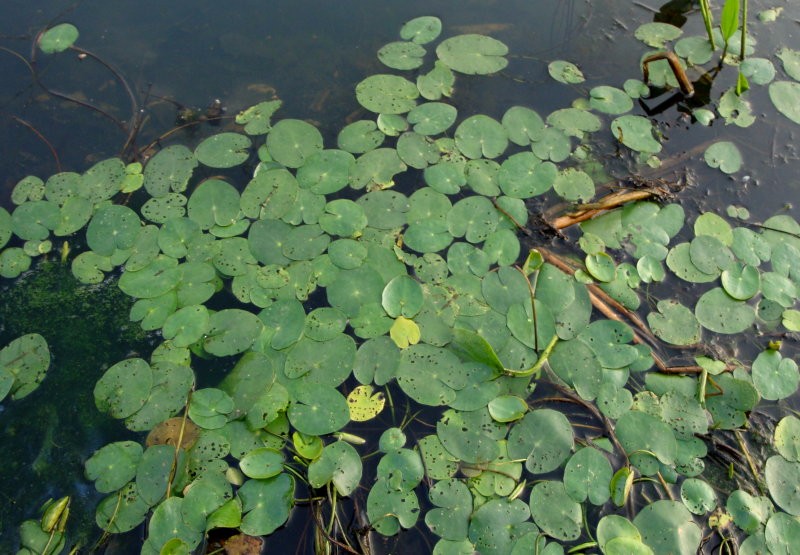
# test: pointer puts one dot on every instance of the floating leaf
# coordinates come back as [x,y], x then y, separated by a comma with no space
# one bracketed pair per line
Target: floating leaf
[401,55]
[668,527]
[364,405]
[717,311]
[292,141]
[656,34]
[544,438]
[787,438]
[225,150]
[473,54]
[555,512]
[338,464]
[266,504]
[588,474]
[775,377]
[674,323]
[256,119]
[725,156]
[421,30]
[481,137]
[58,38]
[231,331]
[698,496]
[124,388]
[387,94]
[783,481]
[637,133]
[785,95]
[565,72]
[23,364]
[318,409]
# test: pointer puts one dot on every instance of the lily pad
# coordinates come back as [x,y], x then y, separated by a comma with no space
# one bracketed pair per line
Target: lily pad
[473,54]
[292,141]
[401,55]
[785,95]
[387,94]
[637,133]
[565,72]
[58,38]
[724,155]
[421,30]
[225,150]
[717,311]
[338,464]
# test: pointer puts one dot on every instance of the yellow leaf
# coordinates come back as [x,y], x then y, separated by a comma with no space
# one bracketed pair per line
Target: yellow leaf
[404,332]
[363,404]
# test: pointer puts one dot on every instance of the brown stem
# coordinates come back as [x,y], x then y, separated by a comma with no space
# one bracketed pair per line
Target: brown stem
[42,138]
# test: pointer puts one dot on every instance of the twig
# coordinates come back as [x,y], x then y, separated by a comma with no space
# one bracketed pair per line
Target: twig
[41,137]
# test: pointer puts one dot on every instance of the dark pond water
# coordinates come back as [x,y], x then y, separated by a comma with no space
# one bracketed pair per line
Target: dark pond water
[310,54]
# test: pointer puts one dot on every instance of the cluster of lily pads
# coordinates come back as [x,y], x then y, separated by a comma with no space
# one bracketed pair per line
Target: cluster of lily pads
[321,284]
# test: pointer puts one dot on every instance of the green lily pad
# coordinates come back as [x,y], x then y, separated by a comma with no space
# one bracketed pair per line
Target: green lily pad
[674,323]
[437,83]
[122,511]
[523,125]
[656,34]
[231,331]
[473,54]
[637,133]
[209,408]
[326,171]
[318,409]
[725,156]
[401,55]
[58,38]
[34,220]
[782,533]
[338,464]
[187,326]
[565,72]
[575,185]
[496,526]
[432,118]
[389,508]
[256,119]
[171,386]
[377,169]
[640,432]
[124,388]
[741,282]
[262,463]
[470,436]
[225,150]
[169,170]
[554,511]
[543,438]
[610,100]
[668,527]
[480,136]
[524,175]
[387,94]
[588,475]
[270,194]
[791,62]
[774,376]
[718,312]
[698,496]
[574,122]
[787,438]
[114,465]
[292,141]
[359,137]
[214,202]
[421,30]
[13,262]
[266,504]
[24,363]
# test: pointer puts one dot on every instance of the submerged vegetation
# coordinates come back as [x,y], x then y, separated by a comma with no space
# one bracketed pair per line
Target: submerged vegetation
[407,277]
